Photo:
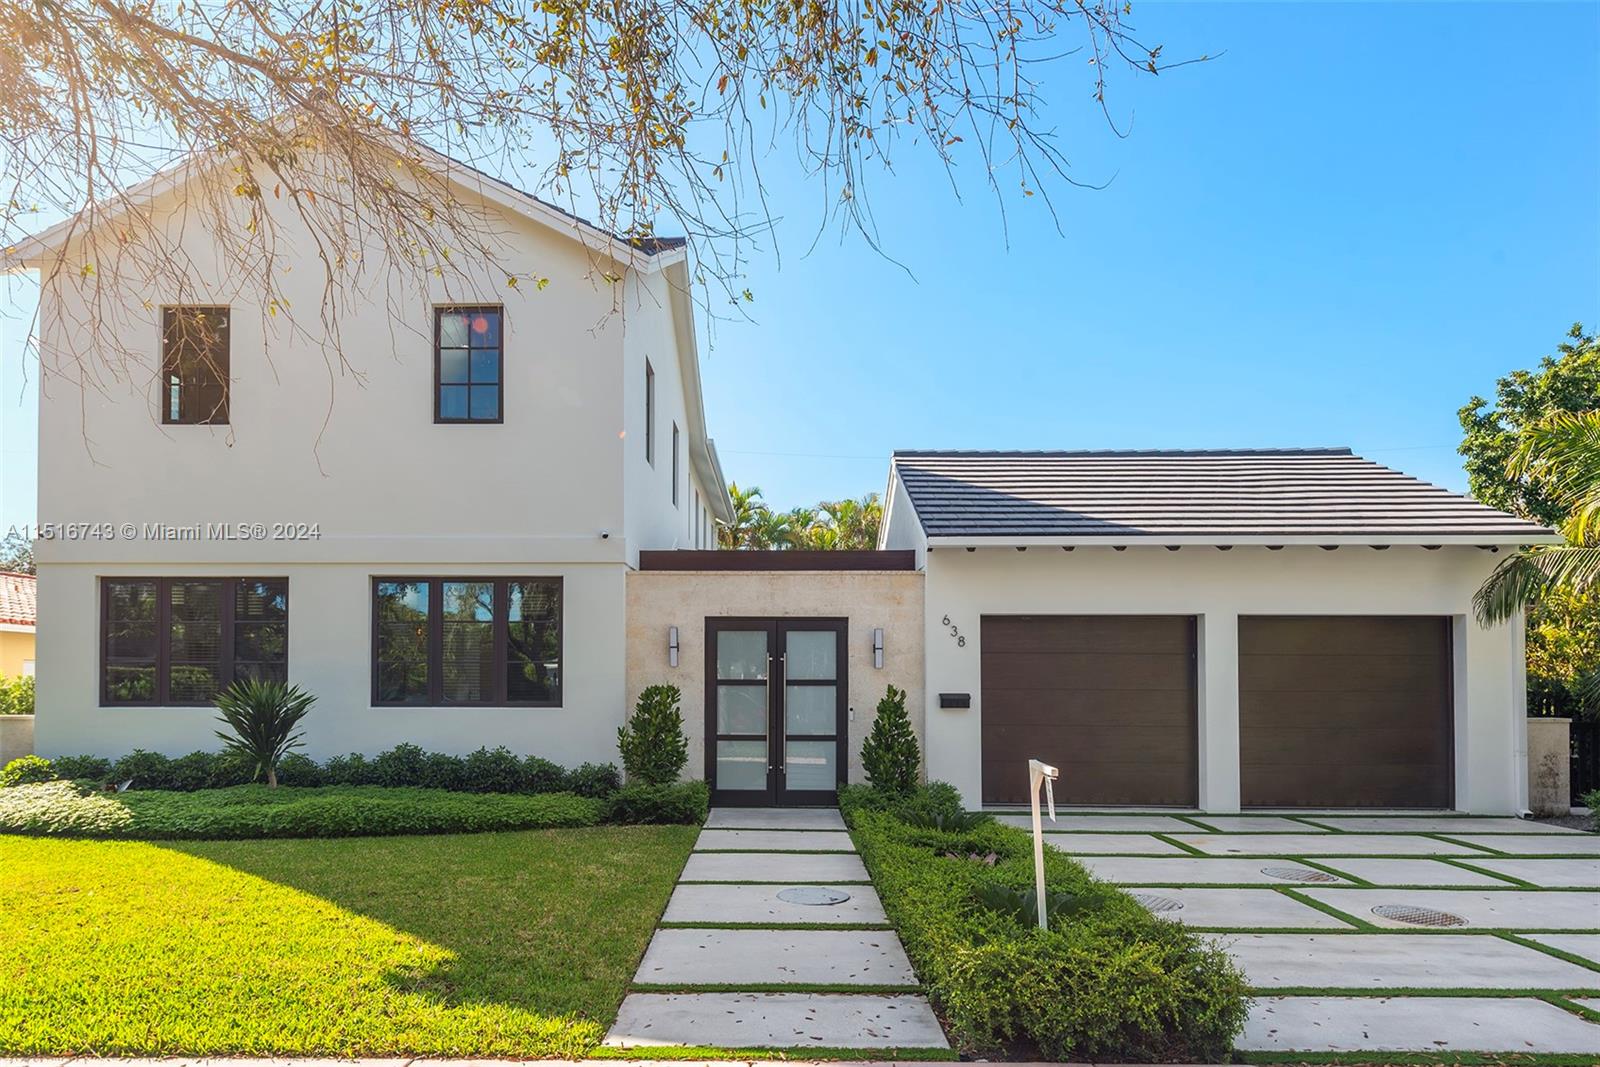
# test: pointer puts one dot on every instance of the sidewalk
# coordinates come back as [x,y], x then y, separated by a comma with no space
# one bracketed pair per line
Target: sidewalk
[775,939]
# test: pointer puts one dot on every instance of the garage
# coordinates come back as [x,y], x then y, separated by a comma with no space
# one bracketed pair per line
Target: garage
[1109,699]
[1345,712]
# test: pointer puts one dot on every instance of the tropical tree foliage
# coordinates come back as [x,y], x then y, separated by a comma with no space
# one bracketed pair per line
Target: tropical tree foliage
[16,554]
[831,524]
[1517,457]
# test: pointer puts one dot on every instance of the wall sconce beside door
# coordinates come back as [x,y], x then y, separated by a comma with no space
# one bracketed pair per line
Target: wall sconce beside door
[877,648]
[672,646]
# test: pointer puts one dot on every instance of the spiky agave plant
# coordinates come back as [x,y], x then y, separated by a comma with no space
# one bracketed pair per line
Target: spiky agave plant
[263,716]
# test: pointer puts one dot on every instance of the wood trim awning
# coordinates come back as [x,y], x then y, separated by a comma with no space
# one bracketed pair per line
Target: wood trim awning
[779,560]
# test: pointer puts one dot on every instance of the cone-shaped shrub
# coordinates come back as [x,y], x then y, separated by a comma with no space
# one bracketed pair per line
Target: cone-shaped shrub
[890,755]
[652,744]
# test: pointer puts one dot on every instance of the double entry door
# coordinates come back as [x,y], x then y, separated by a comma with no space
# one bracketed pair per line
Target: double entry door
[776,712]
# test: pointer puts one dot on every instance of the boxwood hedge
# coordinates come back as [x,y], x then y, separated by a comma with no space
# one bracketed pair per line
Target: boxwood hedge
[1110,982]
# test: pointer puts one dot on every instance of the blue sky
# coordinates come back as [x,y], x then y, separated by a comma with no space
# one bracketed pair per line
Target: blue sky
[1355,219]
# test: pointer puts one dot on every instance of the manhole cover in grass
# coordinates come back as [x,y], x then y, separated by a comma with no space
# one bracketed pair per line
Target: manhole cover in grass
[1157,904]
[1415,916]
[815,895]
[1298,874]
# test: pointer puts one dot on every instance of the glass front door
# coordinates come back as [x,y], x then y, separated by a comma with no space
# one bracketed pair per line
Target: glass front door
[775,710]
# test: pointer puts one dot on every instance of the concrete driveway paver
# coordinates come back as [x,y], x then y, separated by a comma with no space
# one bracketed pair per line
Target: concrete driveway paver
[775,1020]
[770,957]
[1399,961]
[774,840]
[1257,824]
[1194,870]
[1551,874]
[1516,909]
[1237,908]
[761,904]
[1536,844]
[1066,822]
[1112,844]
[1323,844]
[775,819]
[1585,945]
[793,867]
[1415,1024]
[1388,870]
[1438,824]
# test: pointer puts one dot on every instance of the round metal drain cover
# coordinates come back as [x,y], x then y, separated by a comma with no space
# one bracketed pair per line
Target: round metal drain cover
[814,895]
[1415,916]
[1298,874]
[1157,904]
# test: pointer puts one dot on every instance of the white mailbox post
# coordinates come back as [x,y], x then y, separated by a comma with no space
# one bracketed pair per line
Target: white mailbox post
[1040,772]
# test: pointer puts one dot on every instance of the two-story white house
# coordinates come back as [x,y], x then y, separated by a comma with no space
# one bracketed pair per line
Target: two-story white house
[428,524]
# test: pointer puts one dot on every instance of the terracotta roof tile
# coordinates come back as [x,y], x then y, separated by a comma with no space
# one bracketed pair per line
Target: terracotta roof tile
[18,599]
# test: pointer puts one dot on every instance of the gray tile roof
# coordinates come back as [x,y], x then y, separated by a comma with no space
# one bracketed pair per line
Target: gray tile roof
[1248,494]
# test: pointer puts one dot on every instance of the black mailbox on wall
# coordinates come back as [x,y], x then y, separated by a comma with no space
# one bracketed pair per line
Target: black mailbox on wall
[955,700]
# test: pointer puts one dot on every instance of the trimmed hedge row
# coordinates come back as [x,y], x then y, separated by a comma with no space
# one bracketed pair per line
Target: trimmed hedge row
[488,770]
[71,809]
[1107,982]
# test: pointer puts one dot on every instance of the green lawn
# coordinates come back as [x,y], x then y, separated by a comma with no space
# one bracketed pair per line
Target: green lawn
[505,944]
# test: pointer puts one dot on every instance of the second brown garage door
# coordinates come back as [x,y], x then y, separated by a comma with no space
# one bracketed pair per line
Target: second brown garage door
[1109,699]
[1345,712]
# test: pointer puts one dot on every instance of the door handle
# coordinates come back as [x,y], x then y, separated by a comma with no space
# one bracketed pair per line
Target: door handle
[783,754]
[767,703]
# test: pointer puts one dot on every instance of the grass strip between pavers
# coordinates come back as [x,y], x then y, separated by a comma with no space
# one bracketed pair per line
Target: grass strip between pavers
[1463,863]
[1420,1059]
[1369,993]
[706,1052]
[1516,938]
[769,881]
[1326,909]
[1582,1012]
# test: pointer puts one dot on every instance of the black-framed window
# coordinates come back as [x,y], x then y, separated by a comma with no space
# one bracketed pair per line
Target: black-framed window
[649,413]
[468,364]
[674,464]
[466,641]
[194,365]
[181,641]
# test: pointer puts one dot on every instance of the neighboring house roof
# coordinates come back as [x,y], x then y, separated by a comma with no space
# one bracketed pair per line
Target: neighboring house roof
[1245,496]
[18,599]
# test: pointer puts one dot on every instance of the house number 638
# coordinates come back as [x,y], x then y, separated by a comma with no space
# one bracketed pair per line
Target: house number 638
[955,632]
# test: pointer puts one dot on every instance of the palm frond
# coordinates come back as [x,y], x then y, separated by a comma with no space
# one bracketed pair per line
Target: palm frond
[1562,453]
[1522,580]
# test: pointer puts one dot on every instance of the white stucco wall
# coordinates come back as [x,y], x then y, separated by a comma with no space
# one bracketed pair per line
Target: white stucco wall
[342,436]
[892,600]
[330,625]
[1218,587]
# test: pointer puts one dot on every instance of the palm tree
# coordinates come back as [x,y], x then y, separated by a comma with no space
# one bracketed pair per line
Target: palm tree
[1562,454]
[856,522]
[750,513]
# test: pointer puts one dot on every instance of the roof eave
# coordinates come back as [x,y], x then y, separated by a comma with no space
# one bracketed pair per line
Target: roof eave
[1494,540]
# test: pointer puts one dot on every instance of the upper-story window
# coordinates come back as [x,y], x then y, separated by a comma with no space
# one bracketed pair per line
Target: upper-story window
[674,464]
[649,413]
[169,641]
[467,364]
[194,364]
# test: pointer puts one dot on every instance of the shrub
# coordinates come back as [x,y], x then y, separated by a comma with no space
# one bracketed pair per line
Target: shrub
[82,768]
[597,780]
[542,776]
[262,717]
[298,769]
[654,750]
[1108,982]
[27,770]
[354,769]
[890,755]
[682,802]
[1591,801]
[146,770]
[443,771]
[16,695]
[402,765]
[256,811]
[207,770]
[493,770]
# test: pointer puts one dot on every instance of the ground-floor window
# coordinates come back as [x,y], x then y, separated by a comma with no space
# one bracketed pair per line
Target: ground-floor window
[482,641]
[172,641]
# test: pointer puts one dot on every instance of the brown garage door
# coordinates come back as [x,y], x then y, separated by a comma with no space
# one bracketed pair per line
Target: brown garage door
[1345,712]
[1109,699]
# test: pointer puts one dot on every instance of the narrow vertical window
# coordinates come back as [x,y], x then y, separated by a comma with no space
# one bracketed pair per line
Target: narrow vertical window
[194,365]
[674,464]
[468,364]
[467,649]
[694,518]
[194,627]
[261,630]
[130,647]
[649,413]
[401,621]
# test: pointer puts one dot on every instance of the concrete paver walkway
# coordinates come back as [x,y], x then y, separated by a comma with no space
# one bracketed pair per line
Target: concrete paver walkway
[733,964]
